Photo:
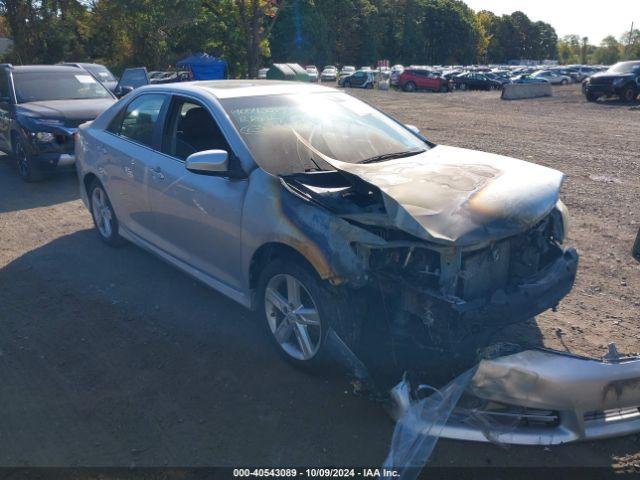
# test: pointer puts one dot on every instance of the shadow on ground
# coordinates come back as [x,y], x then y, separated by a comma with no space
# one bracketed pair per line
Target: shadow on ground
[18,195]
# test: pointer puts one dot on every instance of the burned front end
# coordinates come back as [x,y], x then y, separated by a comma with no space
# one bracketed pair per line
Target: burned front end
[448,302]
[454,264]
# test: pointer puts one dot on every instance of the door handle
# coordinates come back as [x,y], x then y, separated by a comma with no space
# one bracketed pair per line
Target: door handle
[157,173]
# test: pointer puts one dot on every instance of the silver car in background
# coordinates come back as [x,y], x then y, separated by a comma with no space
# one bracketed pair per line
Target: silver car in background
[553,78]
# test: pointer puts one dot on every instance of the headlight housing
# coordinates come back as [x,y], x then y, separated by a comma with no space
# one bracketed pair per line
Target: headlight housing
[44,137]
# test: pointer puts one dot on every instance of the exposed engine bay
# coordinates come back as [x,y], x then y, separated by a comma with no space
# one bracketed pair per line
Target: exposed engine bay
[432,297]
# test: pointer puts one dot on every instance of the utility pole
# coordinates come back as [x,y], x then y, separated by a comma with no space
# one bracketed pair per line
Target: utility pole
[626,49]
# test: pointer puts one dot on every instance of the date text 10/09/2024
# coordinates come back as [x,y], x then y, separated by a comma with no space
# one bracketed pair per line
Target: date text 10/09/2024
[316,472]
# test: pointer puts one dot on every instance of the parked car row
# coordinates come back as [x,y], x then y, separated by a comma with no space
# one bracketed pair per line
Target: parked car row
[445,79]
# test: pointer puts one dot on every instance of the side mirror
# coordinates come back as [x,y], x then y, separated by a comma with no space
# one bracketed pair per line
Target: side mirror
[122,91]
[208,162]
[413,128]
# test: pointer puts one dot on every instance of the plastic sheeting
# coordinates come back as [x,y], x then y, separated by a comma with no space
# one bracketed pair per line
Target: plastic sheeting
[419,428]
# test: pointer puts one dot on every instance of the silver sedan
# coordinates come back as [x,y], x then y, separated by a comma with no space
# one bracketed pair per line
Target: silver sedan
[314,208]
[341,226]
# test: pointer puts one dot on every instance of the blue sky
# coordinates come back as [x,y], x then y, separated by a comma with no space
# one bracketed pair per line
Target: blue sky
[588,18]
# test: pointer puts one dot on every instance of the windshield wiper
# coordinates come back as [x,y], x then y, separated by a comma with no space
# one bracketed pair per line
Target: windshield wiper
[390,156]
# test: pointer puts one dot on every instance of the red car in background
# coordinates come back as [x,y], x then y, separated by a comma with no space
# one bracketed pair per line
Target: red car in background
[413,79]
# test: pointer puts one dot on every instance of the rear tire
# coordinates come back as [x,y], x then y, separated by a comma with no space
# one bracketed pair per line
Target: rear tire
[298,309]
[104,217]
[28,170]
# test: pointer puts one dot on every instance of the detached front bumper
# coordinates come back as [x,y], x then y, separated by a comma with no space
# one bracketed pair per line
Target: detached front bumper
[549,398]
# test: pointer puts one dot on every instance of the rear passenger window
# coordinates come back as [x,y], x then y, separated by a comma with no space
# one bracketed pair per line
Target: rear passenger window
[139,119]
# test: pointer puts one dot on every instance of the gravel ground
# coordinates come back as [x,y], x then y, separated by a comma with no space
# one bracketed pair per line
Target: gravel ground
[111,357]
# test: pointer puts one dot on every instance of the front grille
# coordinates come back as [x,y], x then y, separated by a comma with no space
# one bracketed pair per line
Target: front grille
[613,415]
[500,416]
[601,81]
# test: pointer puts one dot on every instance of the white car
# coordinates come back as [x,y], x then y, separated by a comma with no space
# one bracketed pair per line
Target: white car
[347,70]
[313,73]
[329,74]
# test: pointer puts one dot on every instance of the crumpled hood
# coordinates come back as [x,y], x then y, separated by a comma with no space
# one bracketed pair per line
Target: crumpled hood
[70,111]
[456,196]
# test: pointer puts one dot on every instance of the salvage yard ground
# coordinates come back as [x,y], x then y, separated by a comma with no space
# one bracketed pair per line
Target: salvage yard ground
[111,357]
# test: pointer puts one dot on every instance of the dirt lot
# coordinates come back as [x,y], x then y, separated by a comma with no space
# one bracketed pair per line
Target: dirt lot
[111,357]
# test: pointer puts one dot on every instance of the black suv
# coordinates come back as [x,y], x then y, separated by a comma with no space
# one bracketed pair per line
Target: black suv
[41,107]
[622,80]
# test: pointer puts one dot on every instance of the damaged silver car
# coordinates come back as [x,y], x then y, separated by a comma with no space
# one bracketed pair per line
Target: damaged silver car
[324,214]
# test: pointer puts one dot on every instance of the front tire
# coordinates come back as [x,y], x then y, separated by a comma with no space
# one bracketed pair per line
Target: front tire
[298,309]
[104,217]
[27,168]
[591,97]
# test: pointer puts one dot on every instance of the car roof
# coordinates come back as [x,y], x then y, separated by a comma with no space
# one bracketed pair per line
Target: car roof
[241,88]
[43,68]
[82,64]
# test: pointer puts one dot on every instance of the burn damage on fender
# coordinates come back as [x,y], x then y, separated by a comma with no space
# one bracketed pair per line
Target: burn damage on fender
[466,243]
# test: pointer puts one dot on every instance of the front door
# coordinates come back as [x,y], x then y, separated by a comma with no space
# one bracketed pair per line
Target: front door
[197,218]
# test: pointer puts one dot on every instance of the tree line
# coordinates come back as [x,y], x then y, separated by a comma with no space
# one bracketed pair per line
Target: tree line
[252,33]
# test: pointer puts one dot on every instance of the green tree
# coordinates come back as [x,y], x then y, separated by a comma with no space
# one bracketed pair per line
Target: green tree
[608,52]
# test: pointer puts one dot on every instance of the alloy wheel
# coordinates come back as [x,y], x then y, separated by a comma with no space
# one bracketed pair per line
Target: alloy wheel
[293,317]
[101,210]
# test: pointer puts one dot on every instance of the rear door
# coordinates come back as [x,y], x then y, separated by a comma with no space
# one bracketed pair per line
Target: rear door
[197,218]
[128,154]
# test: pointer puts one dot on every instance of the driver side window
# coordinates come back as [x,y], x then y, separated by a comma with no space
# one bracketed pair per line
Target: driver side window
[191,129]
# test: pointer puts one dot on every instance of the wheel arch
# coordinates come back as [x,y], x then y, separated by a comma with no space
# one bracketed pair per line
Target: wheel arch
[87,180]
[272,251]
